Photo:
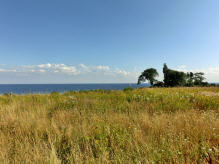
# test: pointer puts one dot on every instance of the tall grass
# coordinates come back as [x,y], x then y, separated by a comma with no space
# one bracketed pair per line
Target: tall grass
[168,125]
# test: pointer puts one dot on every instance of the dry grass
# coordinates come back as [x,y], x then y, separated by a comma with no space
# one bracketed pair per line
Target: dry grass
[210,93]
[168,125]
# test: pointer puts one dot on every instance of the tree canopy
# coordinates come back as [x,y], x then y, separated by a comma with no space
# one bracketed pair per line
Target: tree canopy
[172,78]
[148,74]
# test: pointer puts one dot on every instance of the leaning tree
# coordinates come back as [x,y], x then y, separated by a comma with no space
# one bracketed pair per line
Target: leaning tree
[148,74]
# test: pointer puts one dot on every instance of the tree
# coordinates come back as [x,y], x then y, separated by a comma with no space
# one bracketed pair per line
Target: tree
[165,72]
[148,74]
[190,79]
[159,84]
[199,78]
[173,78]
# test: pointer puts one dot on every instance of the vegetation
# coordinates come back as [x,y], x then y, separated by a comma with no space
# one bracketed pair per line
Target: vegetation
[152,125]
[173,78]
[150,75]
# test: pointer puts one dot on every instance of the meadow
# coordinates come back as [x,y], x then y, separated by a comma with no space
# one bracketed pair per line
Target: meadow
[150,125]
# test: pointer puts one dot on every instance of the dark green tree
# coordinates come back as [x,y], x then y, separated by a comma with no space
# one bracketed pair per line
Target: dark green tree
[173,78]
[199,78]
[165,72]
[148,74]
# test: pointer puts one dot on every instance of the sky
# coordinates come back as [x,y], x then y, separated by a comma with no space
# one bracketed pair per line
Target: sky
[106,41]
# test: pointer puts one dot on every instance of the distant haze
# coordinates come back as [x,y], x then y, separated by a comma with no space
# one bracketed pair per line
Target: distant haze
[61,73]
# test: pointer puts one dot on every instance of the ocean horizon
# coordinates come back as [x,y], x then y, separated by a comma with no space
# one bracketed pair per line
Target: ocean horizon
[48,88]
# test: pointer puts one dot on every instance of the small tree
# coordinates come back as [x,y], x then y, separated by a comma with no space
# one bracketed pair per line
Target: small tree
[148,74]
[199,78]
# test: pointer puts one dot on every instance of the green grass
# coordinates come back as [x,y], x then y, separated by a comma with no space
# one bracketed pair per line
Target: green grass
[154,125]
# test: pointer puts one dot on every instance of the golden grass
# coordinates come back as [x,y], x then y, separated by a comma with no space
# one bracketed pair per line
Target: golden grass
[167,125]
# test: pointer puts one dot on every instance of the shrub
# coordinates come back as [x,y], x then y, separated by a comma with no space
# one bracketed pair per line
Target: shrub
[128,89]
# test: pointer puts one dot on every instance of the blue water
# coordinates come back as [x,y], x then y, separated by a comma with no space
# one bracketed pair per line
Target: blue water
[47,88]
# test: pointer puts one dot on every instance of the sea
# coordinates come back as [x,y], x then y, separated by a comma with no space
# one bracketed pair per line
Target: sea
[48,88]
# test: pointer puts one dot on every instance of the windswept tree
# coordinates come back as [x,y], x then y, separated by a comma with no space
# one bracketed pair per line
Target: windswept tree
[199,78]
[148,74]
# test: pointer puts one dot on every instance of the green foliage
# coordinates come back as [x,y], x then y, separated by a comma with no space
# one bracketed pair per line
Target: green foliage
[173,78]
[6,94]
[148,74]
[198,78]
[128,89]
[159,84]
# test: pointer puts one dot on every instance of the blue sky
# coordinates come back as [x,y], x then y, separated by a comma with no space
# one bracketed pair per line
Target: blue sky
[83,41]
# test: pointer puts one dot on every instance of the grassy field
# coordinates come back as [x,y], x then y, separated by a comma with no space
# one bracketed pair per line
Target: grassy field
[166,125]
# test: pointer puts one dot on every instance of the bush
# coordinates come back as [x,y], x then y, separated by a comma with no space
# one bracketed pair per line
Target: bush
[128,89]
